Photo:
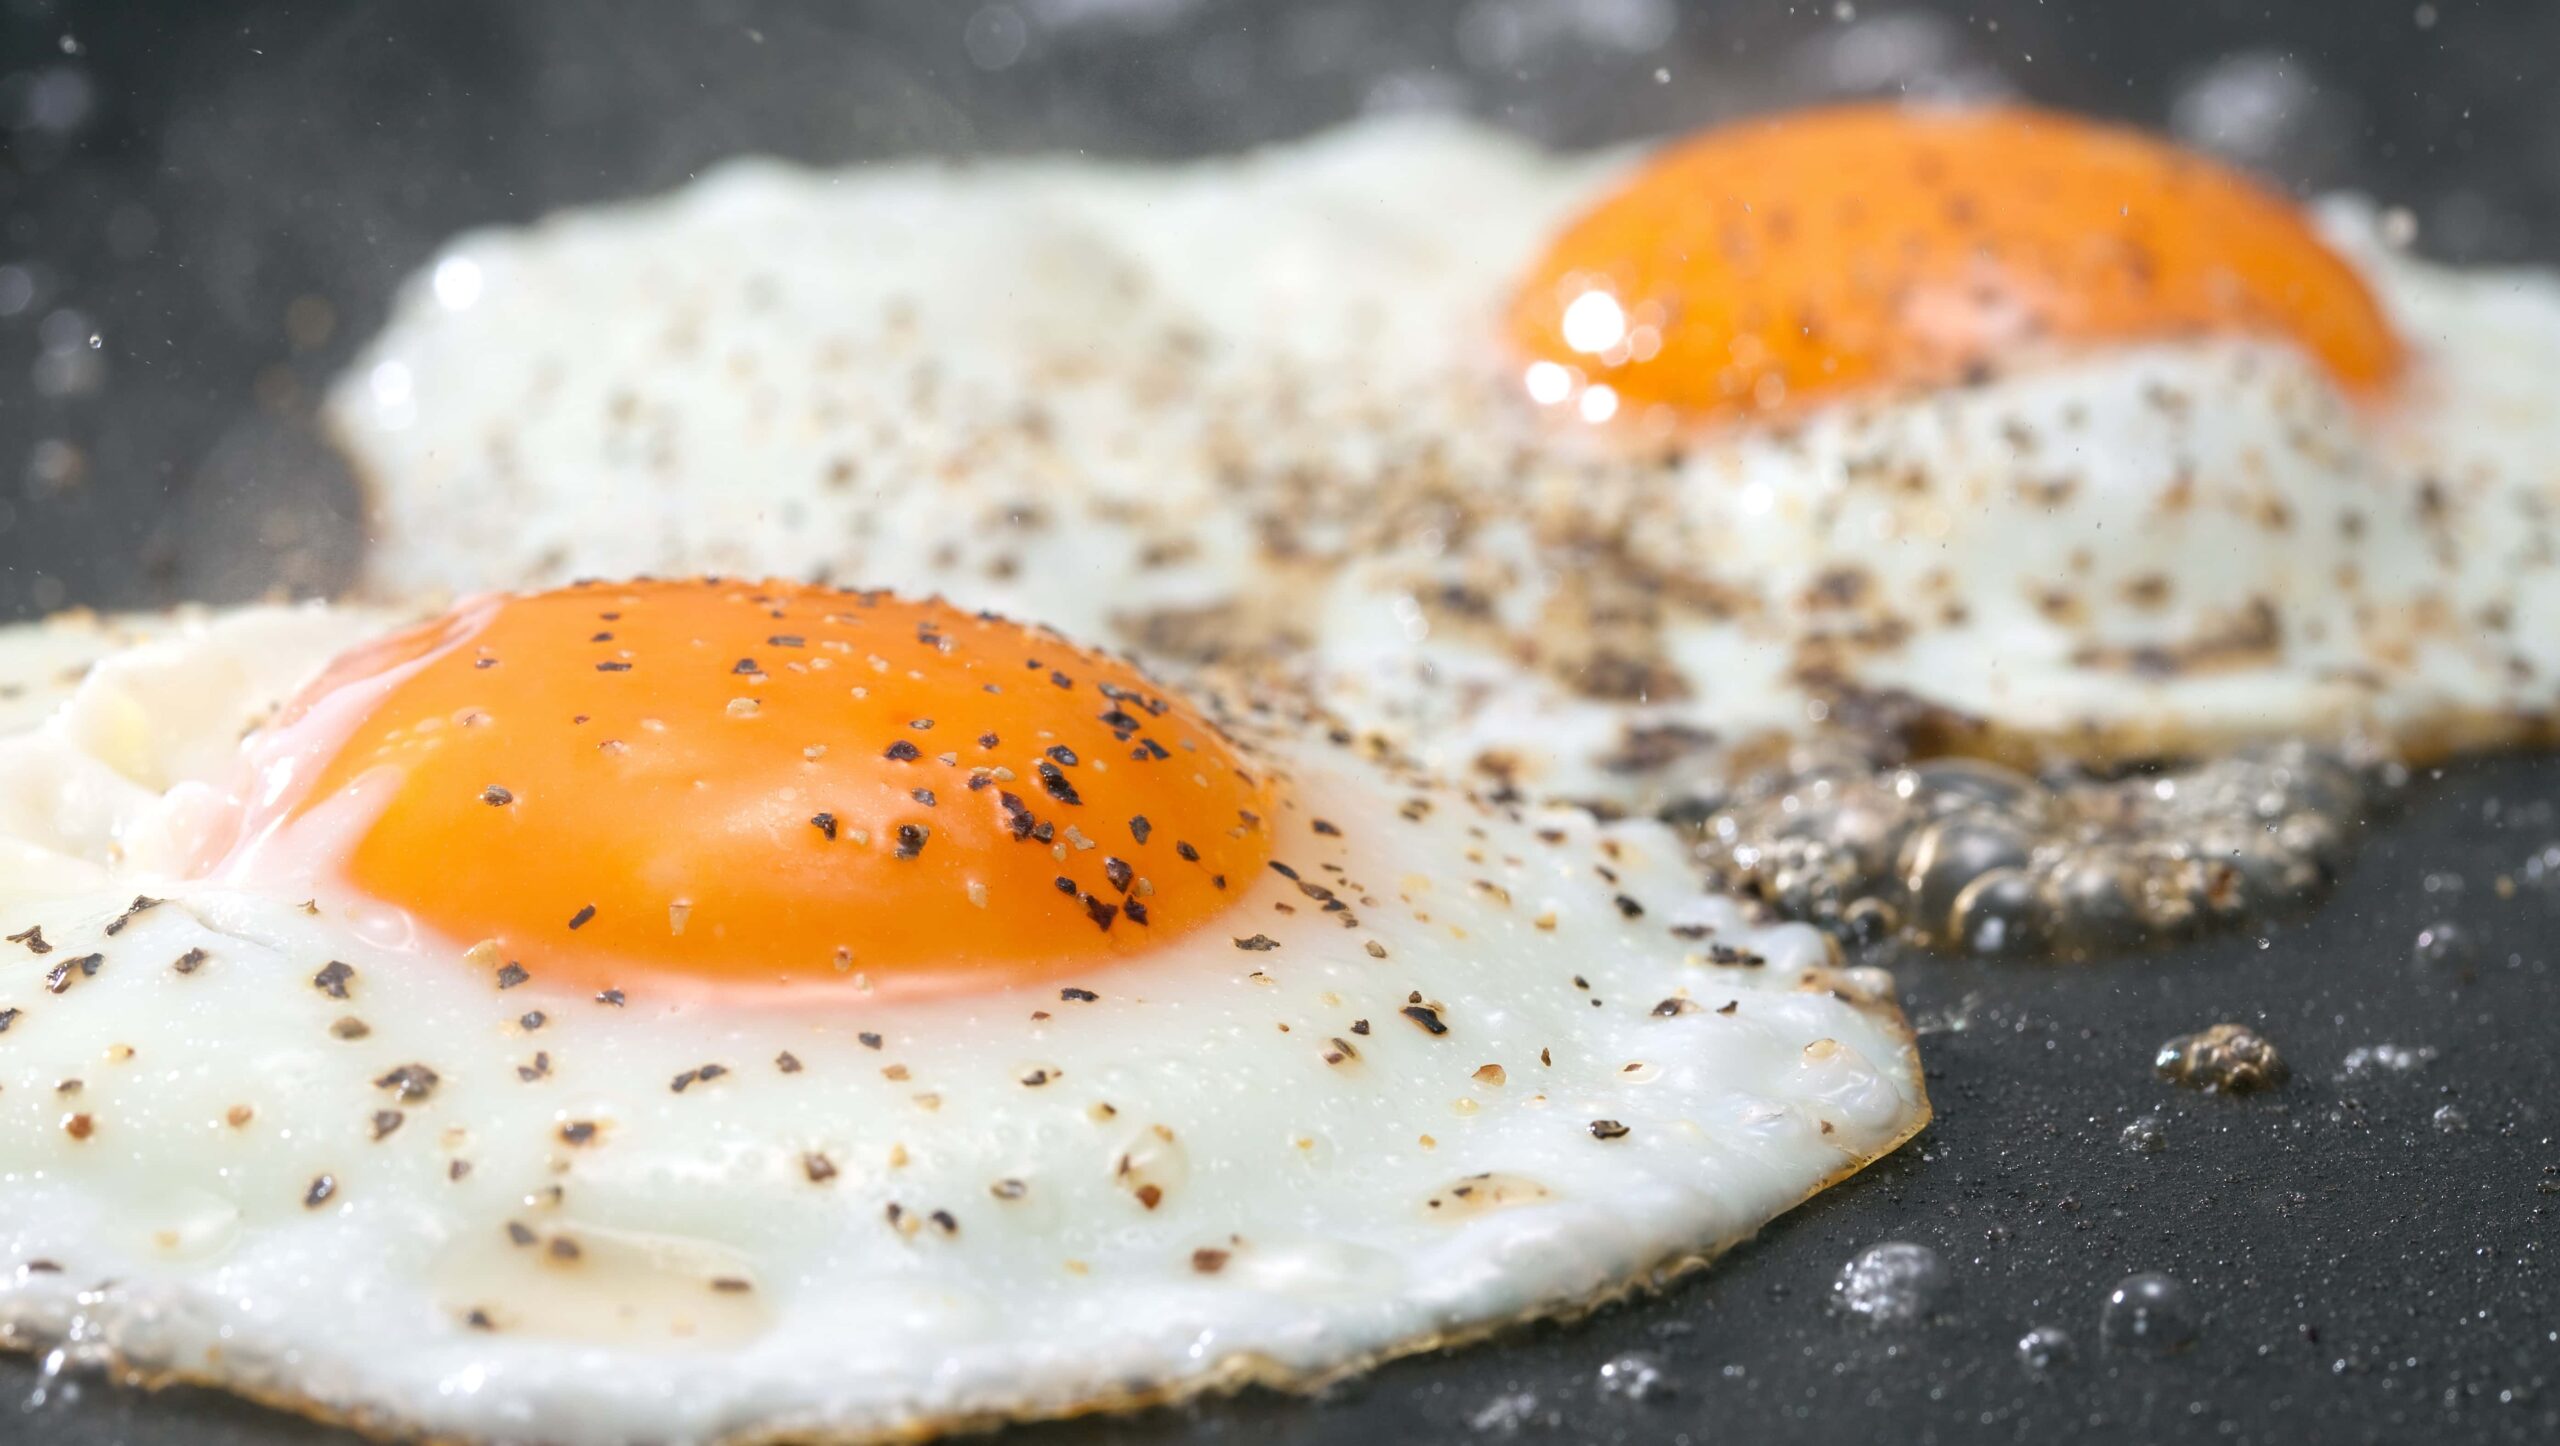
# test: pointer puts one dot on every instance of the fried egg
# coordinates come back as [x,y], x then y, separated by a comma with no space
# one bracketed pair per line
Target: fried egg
[1995,429]
[705,1011]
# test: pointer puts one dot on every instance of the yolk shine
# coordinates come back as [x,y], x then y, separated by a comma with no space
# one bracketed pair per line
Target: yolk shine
[1789,259]
[745,785]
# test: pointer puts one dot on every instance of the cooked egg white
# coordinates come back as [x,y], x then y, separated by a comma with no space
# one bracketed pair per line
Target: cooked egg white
[255,1136]
[1264,404]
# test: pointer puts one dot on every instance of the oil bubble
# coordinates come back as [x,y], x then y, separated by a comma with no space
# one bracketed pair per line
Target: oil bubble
[2442,945]
[1634,1376]
[2147,1135]
[2149,1314]
[1505,1414]
[1969,857]
[2044,1349]
[1895,1283]
[2450,1120]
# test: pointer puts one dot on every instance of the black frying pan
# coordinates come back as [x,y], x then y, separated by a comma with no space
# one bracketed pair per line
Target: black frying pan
[184,173]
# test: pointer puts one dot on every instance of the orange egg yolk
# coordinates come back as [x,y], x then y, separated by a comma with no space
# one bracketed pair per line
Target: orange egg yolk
[1787,260]
[741,786]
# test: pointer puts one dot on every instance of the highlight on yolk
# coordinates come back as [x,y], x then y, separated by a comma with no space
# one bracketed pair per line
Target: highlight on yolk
[741,786]
[1790,259]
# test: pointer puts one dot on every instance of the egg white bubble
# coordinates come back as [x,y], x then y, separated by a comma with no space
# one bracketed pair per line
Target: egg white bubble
[1261,403]
[421,1207]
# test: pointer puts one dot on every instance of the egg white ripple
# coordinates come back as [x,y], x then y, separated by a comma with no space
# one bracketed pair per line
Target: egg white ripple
[1259,402]
[183,1227]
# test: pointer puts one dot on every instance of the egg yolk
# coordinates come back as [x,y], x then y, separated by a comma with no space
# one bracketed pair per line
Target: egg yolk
[716,784]
[1787,260]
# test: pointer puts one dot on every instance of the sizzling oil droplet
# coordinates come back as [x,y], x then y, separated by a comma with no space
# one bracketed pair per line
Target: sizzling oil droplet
[2147,1135]
[1895,1283]
[2149,1314]
[1634,1376]
[2044,1349]
[2442,945]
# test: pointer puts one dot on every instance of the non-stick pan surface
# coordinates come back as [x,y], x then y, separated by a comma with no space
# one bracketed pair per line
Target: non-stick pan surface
[225,195]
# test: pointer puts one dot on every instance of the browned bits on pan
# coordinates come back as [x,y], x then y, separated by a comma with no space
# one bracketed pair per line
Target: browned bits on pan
[1150,1196]
[1629,907]
[79,1127]
[869,1039]
[386,1121]
[787,1062]
[33,937]
[1425,1016]
[539,1069]
[189,962]
[1078,996]
[613,667]
[321,1189]
[333,978]
[1139,828]
[1258,944]
[347,1026]
[824,823]
[496,797]
[1607,1130]
[610,996]
[1208,1261]
[902,752]
[511,974]
[578,1132]
[1671,1007]
[579,919]
[817,1167]
[2225,1059]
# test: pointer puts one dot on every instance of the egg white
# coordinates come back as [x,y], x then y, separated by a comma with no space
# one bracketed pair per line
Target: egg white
[1259,403]
[1230,1165]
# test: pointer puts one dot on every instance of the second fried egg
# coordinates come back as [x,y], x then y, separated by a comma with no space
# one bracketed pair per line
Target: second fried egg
[1392,404]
